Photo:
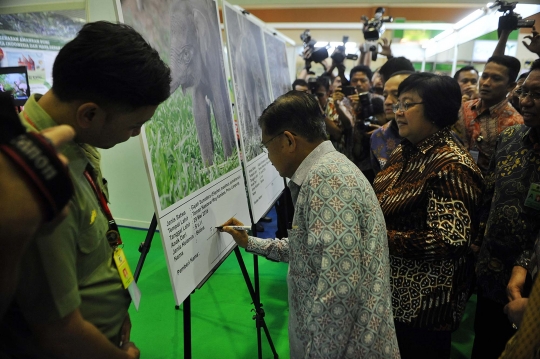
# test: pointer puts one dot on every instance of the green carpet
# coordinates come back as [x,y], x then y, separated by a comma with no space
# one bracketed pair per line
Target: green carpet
[222,325]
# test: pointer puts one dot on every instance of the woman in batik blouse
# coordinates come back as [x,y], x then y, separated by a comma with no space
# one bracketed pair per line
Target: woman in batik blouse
[429,191]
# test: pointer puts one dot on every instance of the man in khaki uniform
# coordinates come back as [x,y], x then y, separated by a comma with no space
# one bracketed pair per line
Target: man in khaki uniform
[70,301]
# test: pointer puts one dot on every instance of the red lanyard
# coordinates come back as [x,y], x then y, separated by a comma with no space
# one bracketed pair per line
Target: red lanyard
[113,235]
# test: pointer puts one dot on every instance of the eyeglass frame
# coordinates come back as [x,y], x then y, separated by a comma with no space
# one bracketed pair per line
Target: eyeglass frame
[264,144]
[399,106]
[522,94]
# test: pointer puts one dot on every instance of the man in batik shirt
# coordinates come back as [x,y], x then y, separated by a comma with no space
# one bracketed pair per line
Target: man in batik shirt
[338,281]
[385,139]
[511,194]
[482,120]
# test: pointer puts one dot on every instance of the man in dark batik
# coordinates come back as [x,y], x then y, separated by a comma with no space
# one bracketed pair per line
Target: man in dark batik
[513,223]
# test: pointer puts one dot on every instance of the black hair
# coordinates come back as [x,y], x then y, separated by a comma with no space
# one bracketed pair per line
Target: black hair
[295,111]
[324,81]
[361,68]
[112,65]
[535,65]
[464,68]
[441,96]
[299,82]
[511,63]
[395,64]
[403,72]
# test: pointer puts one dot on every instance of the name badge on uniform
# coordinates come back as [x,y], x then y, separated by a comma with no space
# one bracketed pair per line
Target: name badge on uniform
[126,276]
[533,197]
[474,154]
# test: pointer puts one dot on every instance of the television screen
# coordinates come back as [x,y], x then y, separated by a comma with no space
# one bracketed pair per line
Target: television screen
[15,80]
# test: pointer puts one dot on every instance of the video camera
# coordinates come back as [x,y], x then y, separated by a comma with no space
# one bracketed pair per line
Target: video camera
[318,54]
[313,85]
[366,108]
[339,55]
[510,20]
[374,28]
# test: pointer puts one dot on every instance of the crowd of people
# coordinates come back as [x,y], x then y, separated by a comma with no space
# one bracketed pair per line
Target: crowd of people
[453,165]
[411,191]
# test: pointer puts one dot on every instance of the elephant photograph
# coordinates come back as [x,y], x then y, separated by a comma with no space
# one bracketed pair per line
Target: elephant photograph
[252,93]
[277,64]
[190,140]
[196,62]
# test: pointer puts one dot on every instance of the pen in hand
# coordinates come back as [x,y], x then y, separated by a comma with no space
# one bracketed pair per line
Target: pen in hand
[236,228]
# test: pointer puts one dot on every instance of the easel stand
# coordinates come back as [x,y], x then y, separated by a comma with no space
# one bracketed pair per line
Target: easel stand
[254,292]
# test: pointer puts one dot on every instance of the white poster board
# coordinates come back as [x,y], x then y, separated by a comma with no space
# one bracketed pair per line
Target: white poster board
[189,147]
[252,93]
[278,65]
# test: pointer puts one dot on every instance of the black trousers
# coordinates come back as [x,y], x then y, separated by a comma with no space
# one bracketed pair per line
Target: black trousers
[415,343]
[492,329]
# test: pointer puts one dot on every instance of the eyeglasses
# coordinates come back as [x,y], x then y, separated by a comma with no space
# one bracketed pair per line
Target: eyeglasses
[264,144]
[522,94]
[404,106]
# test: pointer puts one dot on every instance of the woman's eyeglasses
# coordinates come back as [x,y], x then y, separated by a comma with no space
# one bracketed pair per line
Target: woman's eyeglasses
[404,106]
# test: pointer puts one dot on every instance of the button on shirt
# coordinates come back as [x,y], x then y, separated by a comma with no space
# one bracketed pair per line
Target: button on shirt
[479,131]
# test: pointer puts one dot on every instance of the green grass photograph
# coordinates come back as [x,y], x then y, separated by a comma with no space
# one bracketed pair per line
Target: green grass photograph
[175,153]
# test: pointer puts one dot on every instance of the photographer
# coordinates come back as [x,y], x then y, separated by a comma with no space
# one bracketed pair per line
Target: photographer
[337,116]
[368,113]
[312,54]
[338,58]
[27,199]
[373,30]
[366,48]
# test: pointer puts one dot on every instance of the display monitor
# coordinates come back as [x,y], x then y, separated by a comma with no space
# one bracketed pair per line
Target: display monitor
[15,80]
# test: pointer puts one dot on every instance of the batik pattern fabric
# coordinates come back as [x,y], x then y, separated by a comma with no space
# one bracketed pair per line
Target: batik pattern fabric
[383,142]
[429,194]
[525,344]
[479,130]
[510,226]
[338,280]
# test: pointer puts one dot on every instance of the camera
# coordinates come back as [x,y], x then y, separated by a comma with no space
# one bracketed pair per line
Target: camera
[374,28]
[510,20]
[34,156]
[348,90]
[318,54]
[366,108]
[313,85]
[339,55]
